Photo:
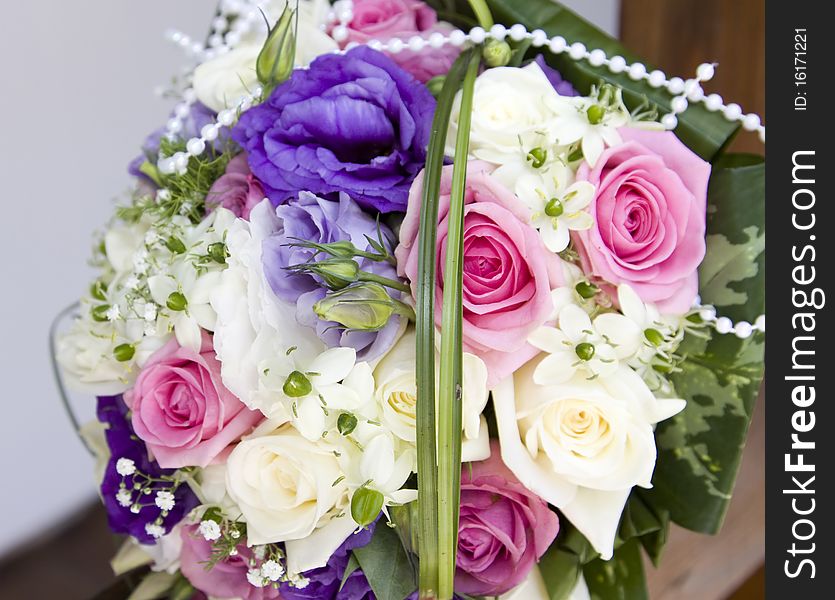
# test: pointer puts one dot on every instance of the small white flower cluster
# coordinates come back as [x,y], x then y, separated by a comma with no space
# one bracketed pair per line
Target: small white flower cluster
[269,573]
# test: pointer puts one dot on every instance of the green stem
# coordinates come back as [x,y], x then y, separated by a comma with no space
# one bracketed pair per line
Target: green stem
[392,283]
[425,336]
[451,384]
[482,13]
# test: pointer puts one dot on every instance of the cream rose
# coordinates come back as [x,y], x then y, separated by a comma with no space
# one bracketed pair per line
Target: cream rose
[284,485]
[221,81]
[514,111]
[396,394]
[582,445]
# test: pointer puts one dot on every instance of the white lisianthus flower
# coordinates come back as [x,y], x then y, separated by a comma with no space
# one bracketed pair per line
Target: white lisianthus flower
[286,486]
[514,111]
[220,82]
[580,346]
[253,325]
[582,444]
[396,395]
[122,242]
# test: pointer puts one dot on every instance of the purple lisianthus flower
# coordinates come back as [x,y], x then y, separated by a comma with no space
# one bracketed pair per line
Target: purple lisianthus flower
[563,87]
[124,444]
[311,218]
[354,123]
[324,582]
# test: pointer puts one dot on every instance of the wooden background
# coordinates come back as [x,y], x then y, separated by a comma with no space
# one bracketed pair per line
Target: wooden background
[676,36]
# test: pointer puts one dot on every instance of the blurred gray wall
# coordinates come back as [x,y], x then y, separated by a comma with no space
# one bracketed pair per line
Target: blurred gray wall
[76,100]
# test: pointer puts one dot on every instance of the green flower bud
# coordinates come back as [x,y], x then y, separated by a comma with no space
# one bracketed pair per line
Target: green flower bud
[337,273]
[436,84]
[366,505]
[537,157]
[124,352]
[554,208]
[346,423]
[586,290]
[595,114]
[364,306]
[496,53]
[175,245]
[98,290]
[297,385]
[277,57]
[654,337]
[177,302]
[341,249]
[218,252]
[99,313]
[584,350]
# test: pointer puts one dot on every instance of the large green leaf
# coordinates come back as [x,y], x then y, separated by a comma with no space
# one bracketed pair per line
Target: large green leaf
[621,578]
[700,449]
[705,132]
[386,565]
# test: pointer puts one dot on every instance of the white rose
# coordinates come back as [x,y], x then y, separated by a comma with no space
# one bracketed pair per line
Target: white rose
[221,81]
[583,444]
[396,394]
[122,242]
[285,485]
[514,111]
[253,325]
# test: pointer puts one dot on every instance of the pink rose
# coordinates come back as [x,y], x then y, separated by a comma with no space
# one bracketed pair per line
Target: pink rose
[508,272]
[649,213]
[181,410]
[227,578]
[386,19]
[237,189]
[503,530]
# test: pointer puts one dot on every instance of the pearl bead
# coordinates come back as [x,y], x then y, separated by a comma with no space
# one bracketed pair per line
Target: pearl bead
[597,57]
[190,96]
[705,71]
[577,50]
[679,104]
[416,43]
[220,23]
[557,44]
[657,78]
[182,110]
[196,146]
[751,122]
[174,125]
[743,330]
[518,32]
[713,102]
[539,38]
[396,45]
[498,32]
[708,314]
[245,103]
[197,48]
[617,64]
[340,33]
[166,166]
[346,15]
[457,38]
[180,161]
[675,85]
[760,323]
[437,40]
[637,71]
[226,117]
[732,112]
[478,35]
[210,132]
[375,45]
[696,94]
[669,121]
[233,38]
[724,325]
[216,40]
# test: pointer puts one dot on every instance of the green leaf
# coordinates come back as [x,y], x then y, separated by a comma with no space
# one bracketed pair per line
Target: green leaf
[706,133]
[386,565]
[353,565]
[562,563]
[621,578]
[699,450]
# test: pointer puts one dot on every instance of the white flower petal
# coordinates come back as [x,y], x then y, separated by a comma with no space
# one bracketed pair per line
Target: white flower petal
[575,323]
[313,551]
[333,365]
[596,514]
[593,147]
[161,286]
[188,333]
[548,339]
[474,449]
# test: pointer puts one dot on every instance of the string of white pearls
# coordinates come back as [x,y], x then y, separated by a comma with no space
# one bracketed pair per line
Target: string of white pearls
[723,325]
[234,21]
[341,14]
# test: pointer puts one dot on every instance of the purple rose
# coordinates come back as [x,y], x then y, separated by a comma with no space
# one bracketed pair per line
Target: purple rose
[321,221]
[354,123]
[237,189]
[504,529]
[325,581]
[124,444]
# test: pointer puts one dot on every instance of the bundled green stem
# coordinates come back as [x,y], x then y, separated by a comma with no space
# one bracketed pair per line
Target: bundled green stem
[451,384]
[425,334]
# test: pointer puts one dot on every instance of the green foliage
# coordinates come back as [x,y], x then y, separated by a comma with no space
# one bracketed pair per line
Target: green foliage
[386,565]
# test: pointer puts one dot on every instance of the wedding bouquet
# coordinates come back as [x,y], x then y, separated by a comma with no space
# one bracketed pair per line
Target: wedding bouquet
[398,309]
